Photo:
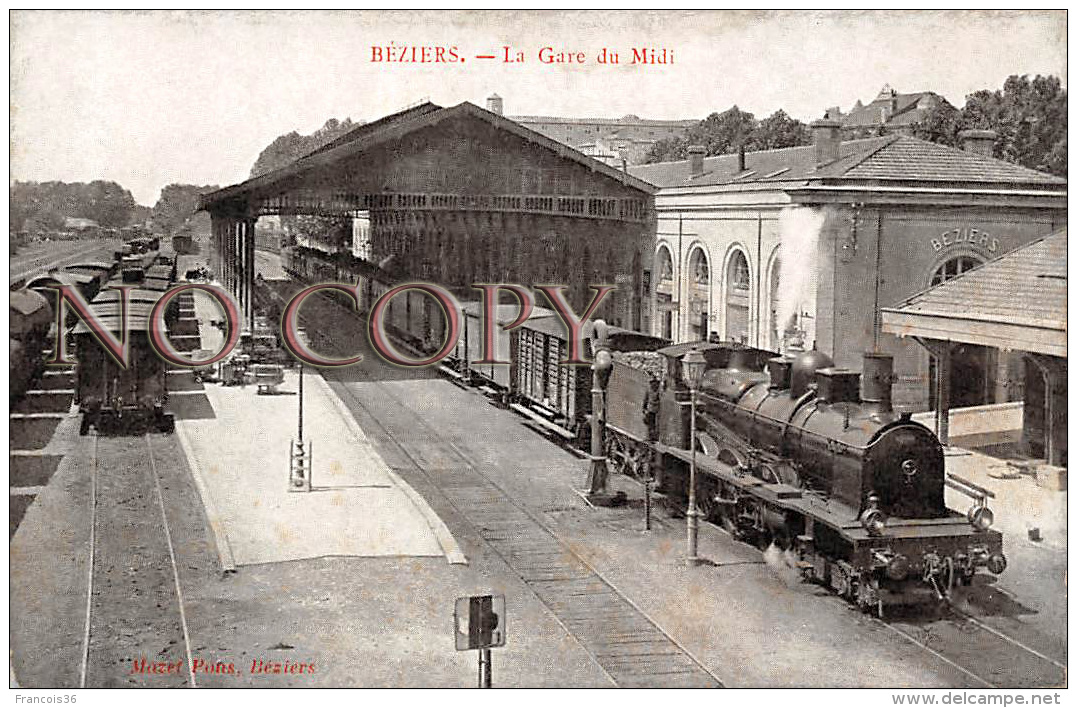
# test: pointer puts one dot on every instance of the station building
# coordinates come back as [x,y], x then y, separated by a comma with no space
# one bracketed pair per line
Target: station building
[457,196]
[800,247]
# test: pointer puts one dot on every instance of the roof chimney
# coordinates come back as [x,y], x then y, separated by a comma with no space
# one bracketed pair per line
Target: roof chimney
[826,135]
[978,142]
[494,104]
[695,160]
[740,159]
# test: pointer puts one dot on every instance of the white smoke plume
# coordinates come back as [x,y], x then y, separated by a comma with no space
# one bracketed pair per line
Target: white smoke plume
[799,229]
[783,563]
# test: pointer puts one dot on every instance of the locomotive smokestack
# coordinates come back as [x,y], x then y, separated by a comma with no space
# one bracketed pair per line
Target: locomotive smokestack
[877,381]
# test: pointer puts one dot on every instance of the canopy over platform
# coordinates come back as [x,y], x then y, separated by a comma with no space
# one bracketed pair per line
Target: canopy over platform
[1015,302]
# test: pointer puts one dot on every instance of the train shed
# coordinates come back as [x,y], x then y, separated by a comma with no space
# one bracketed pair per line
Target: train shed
[458,196]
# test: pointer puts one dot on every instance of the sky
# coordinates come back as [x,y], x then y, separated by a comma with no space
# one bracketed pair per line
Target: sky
[151,98]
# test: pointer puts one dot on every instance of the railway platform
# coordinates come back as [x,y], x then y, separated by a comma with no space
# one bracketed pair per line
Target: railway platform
[240,457]
[356,505]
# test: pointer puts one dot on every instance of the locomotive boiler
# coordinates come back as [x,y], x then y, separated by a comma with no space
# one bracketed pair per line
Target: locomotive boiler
[812,458]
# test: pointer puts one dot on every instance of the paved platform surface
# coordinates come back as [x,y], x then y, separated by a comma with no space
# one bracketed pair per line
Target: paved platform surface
[356,507]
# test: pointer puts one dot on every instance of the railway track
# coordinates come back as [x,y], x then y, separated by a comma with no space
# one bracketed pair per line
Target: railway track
[135,624]
[628,645]
[988,657]
[985,656]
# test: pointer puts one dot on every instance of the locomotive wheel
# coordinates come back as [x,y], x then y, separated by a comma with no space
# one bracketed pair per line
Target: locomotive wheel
[729,523]
[841,581]
[768,474]
[865,593]
[948,577]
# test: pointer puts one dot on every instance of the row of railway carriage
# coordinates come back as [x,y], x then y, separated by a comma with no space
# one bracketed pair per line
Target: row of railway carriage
[110,397]
[791,451]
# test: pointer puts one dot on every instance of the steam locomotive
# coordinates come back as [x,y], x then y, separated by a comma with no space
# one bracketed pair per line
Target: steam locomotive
[791,452]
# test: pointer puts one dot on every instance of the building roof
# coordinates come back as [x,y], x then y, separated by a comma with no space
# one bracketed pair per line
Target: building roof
[626,120]
[898,109]
[1016,301]
[395,126]
[898,158]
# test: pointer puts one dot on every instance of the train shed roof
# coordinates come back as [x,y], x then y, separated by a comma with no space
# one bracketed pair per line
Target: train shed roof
[26,302]
[317,164]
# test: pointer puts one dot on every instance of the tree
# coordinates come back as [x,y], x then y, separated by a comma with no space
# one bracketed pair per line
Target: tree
[177,204]
[48,204]
[288,148]
[778,130]
[721,133]
[941,124]
[1029,116]
[667,149]
[728,131]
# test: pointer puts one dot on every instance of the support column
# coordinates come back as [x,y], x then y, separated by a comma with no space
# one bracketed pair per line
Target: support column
[233,252]
[241,269]
[942,393]
[940,351]
[250,272]
[1054,407]
[215,243]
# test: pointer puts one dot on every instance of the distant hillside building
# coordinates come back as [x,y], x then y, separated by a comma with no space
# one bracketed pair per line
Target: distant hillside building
[629,137]
[890,113]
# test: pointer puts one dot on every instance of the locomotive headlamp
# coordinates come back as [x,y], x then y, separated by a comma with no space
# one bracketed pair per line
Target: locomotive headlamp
[996,563]
[981,518]
[692,366]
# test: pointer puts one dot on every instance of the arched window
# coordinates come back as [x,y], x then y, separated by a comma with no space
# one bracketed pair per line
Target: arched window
[665,264]
[699,269]
[699,277]
[953,268]
[738,272]
[737,307]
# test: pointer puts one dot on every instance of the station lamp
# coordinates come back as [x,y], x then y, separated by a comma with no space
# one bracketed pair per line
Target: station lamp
[693,364]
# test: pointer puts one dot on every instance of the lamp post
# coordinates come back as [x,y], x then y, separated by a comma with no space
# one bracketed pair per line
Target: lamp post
[601,368]
[300,457]
[692,366]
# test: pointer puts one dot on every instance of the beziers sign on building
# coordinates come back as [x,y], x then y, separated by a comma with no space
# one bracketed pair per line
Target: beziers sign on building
[969,237]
